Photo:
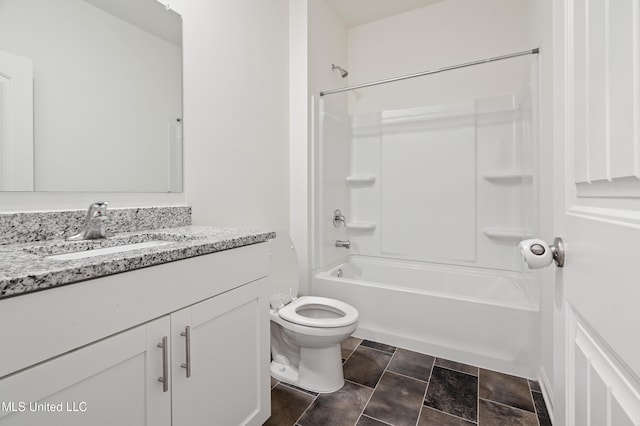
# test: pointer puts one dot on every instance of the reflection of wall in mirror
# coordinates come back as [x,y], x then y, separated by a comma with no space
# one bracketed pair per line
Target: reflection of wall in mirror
[119,141]
[16,122]
[175,156]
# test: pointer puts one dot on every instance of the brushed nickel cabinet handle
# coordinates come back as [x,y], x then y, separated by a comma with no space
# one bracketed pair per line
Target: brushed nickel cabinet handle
[187,335]
[164,379]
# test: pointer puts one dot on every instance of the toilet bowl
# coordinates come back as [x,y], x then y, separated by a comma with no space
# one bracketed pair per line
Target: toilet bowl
[306,331]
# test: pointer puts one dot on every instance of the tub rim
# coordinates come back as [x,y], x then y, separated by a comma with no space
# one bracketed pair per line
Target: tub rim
[519,280]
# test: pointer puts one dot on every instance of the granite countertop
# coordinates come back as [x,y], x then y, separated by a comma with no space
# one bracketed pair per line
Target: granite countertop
[24,267]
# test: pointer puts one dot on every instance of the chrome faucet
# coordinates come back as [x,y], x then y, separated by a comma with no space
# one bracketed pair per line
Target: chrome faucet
[341,243]
[95,225]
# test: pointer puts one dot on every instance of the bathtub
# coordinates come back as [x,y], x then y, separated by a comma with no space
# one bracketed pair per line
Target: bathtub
[469,315]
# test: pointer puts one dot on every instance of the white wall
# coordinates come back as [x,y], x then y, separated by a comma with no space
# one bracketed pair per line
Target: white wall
[299,137]
[443,34]
[236,121]
[236,97]
[105,92]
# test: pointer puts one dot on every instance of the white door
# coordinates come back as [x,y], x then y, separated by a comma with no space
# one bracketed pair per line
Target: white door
[16,123]
[597,175]
[111,382]
[227,358]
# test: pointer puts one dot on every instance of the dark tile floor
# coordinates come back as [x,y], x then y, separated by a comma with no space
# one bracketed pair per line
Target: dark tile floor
[385,385]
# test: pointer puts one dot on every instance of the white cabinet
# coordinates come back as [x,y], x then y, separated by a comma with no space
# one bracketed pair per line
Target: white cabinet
[110,382]
[227,360]
[113,379]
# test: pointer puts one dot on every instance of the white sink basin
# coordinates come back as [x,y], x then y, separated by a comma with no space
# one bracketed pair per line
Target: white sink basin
[108,250]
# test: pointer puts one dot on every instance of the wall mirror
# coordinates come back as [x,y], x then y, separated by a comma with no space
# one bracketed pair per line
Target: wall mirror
[90,96]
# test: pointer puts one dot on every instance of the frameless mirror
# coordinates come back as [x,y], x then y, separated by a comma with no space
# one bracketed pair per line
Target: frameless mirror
[90,96]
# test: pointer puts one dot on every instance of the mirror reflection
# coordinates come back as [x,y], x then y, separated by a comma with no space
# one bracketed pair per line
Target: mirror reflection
[90,96]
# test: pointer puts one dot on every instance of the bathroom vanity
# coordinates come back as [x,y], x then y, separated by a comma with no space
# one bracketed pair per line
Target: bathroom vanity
[178,335]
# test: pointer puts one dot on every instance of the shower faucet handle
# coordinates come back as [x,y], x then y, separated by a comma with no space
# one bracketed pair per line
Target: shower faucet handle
[338,218]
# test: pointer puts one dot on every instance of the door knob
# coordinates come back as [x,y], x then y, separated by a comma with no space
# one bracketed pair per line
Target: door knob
[537,254]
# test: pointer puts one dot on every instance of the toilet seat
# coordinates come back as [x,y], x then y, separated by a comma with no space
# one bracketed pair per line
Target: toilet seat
[347,314]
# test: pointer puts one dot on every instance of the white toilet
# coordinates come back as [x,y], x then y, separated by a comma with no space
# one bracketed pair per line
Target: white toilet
[306,331]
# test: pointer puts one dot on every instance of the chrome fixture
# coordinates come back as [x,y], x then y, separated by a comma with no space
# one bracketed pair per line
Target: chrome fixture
[343,72]
[341,243]
[164,379]
[187,365]
[557,249]
[95,225]
[338,218]
[420,74]
[339,273]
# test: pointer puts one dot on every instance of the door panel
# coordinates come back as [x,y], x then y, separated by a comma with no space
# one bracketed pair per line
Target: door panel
[103,384]
[229,383]
[598,115]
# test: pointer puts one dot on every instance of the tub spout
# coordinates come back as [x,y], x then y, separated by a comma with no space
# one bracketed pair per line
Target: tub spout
[345,244]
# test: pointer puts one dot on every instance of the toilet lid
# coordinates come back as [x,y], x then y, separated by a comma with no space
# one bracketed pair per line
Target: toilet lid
[283,273]
[294,312]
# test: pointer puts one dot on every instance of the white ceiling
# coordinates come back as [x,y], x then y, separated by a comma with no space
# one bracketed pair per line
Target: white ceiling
[358,12]
[148,15]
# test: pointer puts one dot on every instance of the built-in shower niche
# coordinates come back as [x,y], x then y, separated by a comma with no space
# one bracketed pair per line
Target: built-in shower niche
[451,183]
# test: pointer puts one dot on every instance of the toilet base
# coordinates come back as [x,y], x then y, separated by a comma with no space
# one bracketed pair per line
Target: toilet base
[320,370]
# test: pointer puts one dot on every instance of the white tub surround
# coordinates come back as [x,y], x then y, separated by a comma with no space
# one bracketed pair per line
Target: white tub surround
[450,183]
[435,199]
[481,317]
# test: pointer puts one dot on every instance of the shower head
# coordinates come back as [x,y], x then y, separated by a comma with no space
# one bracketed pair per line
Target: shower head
[343,72]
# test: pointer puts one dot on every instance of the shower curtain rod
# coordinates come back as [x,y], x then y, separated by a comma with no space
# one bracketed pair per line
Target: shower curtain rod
[420,74]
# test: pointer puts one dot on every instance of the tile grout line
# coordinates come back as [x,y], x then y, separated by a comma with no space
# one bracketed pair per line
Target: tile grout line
[408,377]
[373,418]
[478,400]
[458,371]
[424,397]
[293,387]
[510,406]
[535,409]
[350,353]
[452,415]
[377,383]
[306,409]
[380,350]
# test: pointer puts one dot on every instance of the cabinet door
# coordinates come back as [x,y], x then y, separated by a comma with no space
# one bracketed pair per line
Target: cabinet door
[111,382]
[229,359]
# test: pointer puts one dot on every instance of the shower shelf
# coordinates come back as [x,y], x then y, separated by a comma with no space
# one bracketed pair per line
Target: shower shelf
[361,226]
[361,180]
[508,176]
[507,233]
